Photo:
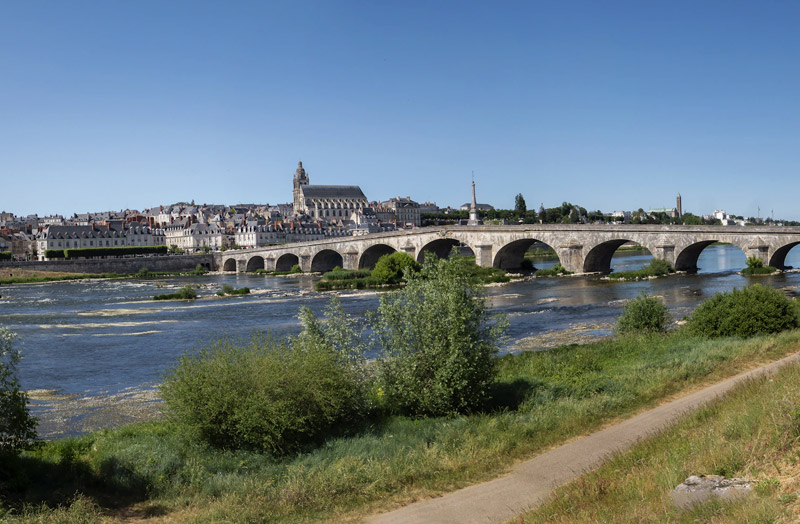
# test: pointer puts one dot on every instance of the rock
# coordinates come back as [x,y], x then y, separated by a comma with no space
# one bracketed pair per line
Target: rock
[699,489]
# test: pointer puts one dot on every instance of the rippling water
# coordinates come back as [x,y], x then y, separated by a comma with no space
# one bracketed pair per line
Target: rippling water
[85,341]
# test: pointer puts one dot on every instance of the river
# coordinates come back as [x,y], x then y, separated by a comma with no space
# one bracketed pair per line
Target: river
[94,351]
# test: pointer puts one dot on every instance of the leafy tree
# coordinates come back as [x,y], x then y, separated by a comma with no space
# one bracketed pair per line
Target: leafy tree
[519,204]
[439,342]
[389,268]
[17,426]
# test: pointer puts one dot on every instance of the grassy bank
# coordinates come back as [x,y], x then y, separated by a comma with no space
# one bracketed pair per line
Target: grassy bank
[539,399]
[753,433]
[27,276]
[33,277]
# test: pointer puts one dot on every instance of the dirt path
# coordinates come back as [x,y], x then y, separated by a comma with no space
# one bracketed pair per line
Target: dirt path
[530,483]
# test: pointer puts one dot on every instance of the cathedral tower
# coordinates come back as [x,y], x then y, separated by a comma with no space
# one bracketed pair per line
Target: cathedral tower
[300,180]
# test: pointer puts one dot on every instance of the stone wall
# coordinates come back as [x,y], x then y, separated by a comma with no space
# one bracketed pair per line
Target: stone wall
[116,265]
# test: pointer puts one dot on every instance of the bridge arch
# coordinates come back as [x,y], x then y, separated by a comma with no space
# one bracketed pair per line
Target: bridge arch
[687,258]
[254,263]
[326,260]
[778,258]
[512,254]
[286,261]
[441,247]
[229,265]
[598,259]
[371,255]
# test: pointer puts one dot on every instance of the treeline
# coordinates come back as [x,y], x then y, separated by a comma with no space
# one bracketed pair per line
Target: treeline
[104,252]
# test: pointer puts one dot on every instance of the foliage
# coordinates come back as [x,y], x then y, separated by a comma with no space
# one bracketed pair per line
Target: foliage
[230,290]
[753,310]
[556,270]
[198,270]
[643,314]
[338,273]
[439,342]
[295,269]
[17,426]
[185,293]
[272,395]
[390,268]
[104,251]
[519,204]
[175,250]
[5,255]
[755,266]
[656,268]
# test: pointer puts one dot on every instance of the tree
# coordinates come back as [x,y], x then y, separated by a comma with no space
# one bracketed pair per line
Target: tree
[17,426]
[439,342]
[390,268]
[519,204]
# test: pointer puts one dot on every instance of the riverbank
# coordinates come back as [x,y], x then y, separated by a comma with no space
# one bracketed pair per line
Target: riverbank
[539,400]
[752,433]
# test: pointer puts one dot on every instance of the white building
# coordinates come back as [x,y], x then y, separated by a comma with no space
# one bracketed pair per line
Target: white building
[193,237]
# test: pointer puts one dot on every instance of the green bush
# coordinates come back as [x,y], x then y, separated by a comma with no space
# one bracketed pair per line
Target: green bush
[753,310]
[17,426]
[230,290]
[5,255]
[643,314]
[755,266]
[556,270]
[295,269]
[185,293]
[656,268]
[272,395]
[390,268]
[438,340]
[344,274]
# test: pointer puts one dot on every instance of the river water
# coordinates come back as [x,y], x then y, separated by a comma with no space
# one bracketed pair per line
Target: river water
[94,351]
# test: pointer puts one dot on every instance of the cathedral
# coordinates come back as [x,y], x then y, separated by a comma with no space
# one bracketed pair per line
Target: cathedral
[328,203]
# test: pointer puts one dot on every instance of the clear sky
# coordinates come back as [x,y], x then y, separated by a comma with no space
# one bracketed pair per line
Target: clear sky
[609,105]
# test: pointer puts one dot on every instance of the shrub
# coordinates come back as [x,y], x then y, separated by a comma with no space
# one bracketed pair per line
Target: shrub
[745,312]
[390,268]
[755,266]
[5,255]
[184,293]
[643,314]
[17,426]
[556,270]
[656,268]
[438,341]
[272,395]
[295,269]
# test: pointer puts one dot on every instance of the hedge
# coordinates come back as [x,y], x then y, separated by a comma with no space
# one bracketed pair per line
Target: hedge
[104,251]
[5,255]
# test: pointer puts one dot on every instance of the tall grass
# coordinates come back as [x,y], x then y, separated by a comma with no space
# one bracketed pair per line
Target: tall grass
[753,433]
[538,400]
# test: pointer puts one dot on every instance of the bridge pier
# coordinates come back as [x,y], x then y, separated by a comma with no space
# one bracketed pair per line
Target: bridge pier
[350,260]
[759,251]
[305,263]
[241,266]
[664,252]
[571,257]
[483,255]
[269,263]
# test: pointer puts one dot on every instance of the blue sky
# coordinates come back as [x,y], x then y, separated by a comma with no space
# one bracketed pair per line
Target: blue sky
[610,105]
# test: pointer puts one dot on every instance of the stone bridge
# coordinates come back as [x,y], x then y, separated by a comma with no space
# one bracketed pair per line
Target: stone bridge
[580,248]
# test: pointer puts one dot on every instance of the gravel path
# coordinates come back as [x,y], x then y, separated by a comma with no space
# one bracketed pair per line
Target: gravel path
[530,483]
